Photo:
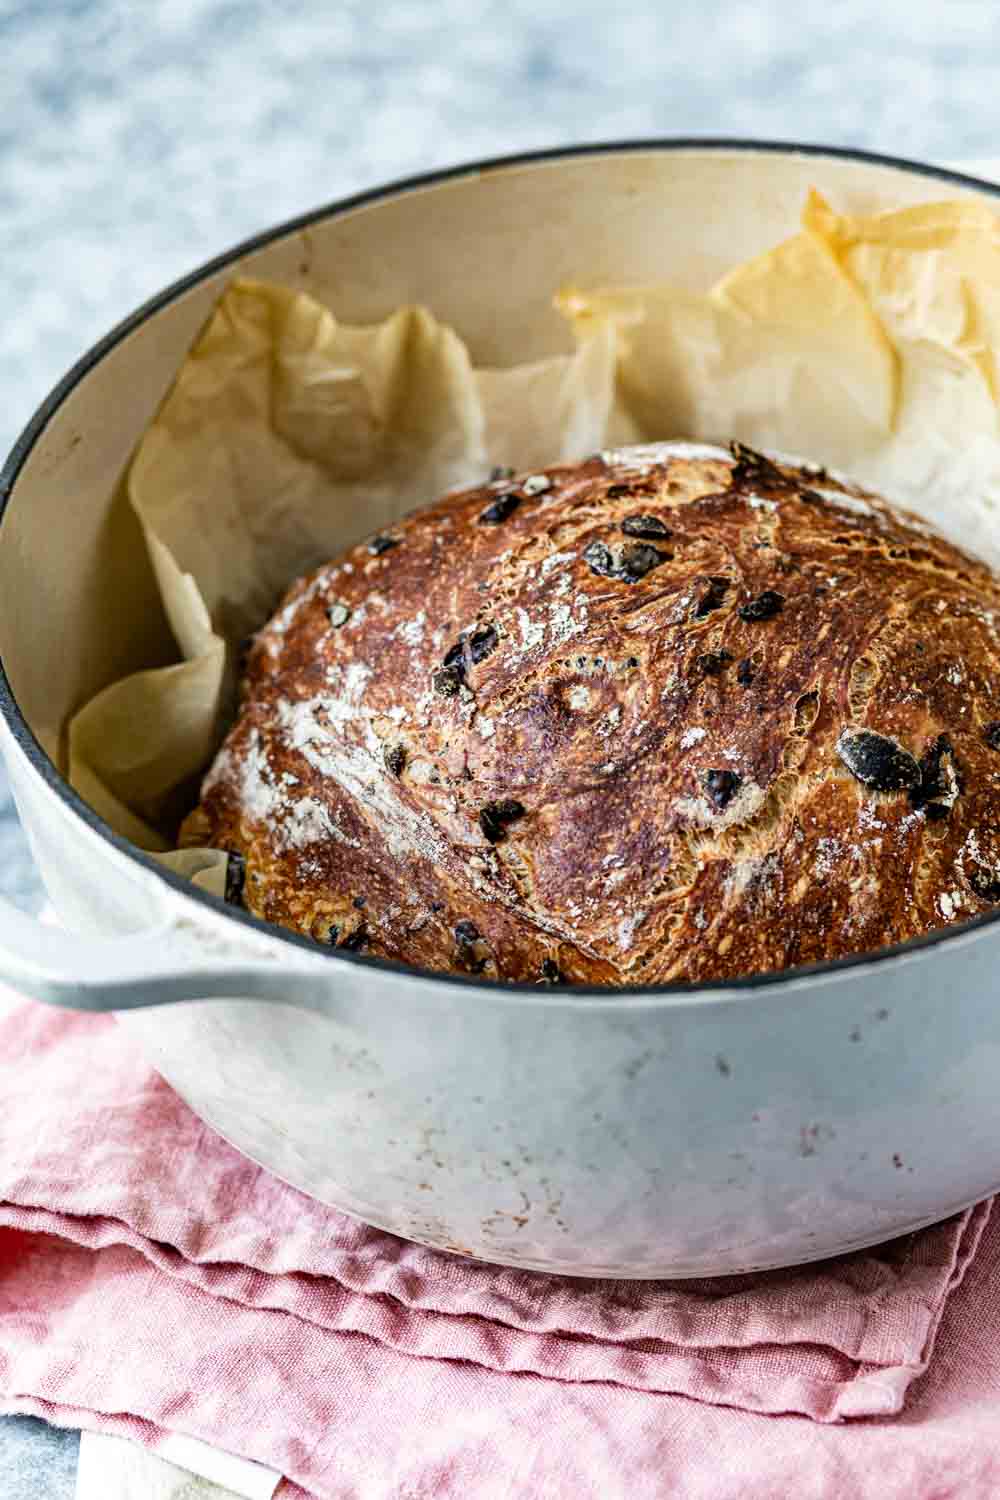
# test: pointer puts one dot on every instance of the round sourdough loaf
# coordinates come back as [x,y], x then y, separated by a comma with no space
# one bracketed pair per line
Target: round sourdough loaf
[672,713]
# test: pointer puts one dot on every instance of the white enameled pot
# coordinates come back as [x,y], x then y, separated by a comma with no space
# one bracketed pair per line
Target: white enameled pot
[636,1133]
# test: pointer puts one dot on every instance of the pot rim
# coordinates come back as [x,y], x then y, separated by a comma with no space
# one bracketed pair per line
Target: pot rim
[676,993]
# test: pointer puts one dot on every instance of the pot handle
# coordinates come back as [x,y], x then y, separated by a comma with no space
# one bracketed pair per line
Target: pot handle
[158,966]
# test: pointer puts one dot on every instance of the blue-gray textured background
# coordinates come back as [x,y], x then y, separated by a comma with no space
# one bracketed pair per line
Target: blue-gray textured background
[138,139]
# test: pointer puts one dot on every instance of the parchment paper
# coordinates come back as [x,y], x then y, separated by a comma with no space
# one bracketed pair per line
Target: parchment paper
[865,344]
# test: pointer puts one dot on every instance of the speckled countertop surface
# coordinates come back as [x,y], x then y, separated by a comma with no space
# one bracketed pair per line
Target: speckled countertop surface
[136,141]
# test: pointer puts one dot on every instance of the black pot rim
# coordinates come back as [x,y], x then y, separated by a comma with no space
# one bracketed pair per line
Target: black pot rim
[49,772]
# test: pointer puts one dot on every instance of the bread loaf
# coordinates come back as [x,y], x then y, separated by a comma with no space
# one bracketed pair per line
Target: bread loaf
[672,713]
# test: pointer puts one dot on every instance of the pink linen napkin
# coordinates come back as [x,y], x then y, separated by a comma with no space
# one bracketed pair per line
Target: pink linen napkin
[153,1281]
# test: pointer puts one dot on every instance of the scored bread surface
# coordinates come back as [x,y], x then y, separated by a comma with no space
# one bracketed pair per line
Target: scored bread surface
[672,713]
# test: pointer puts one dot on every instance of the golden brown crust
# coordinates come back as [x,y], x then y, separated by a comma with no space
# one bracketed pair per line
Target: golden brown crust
[636,766]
